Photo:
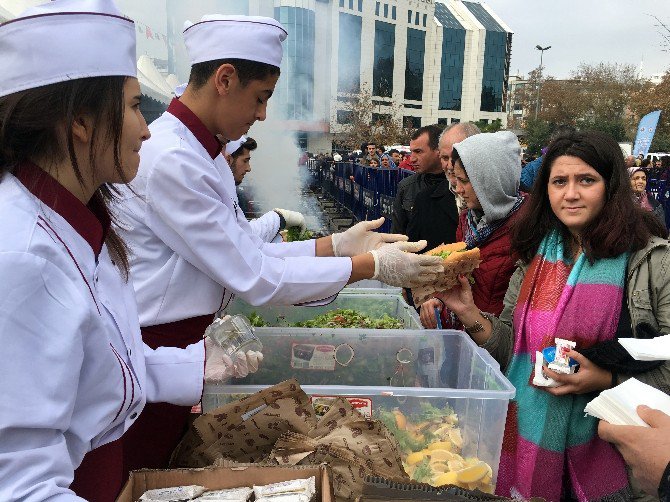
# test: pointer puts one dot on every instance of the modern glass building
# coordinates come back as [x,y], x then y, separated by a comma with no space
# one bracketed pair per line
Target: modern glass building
[419,62]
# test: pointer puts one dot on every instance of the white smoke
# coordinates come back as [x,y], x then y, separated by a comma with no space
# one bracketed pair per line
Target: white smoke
[276,179]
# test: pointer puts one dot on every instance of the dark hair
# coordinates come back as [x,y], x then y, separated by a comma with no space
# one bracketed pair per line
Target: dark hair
[621,226]
[250,144]
[665,161]
[246,71]
[645,163]
[433,131]
[29,125]
[392,151]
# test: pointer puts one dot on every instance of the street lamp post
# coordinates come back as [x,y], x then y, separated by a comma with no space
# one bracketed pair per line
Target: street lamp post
[537,100]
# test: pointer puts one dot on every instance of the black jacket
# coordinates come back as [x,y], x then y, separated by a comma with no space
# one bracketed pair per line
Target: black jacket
[405,196]
[434,216]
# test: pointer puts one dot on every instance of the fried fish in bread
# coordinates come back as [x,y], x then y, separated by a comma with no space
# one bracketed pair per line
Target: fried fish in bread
[457,259]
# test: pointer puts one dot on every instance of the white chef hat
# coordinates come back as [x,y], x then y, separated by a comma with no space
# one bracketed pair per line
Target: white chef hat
[233,146]
[253,38]
[65,40]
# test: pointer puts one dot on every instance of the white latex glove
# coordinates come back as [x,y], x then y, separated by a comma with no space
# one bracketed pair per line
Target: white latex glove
[292,218]
[219,366]
[397,265]
[361,238]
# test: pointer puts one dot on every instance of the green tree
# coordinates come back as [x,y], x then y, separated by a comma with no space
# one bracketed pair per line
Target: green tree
[484,126]
[537,135]
[367,120]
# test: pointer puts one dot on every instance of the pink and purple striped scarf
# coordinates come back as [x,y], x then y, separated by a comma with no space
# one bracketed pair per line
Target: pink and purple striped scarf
[550,446]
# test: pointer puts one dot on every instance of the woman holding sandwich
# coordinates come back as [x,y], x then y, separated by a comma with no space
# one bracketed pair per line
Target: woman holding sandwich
[487,169]
[593,269]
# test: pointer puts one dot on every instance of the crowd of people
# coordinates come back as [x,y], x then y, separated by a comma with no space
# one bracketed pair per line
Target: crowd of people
[574,246]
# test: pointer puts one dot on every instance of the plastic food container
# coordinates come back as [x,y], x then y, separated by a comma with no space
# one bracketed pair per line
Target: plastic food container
[373,305]
[444,398]
[372,286]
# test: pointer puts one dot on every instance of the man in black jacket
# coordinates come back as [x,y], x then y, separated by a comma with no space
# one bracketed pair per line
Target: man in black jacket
[425,158]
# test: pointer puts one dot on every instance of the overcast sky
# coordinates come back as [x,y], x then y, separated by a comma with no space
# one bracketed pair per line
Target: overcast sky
[591,31]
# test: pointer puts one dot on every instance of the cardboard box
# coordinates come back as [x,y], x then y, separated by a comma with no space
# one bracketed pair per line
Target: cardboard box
[229,475]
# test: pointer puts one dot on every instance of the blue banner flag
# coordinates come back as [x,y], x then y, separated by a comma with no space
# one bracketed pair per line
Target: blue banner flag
[645,133]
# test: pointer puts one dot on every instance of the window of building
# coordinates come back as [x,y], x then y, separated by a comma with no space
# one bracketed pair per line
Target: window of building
[351,4]
[393,12]
[409,16]
[377,9]
[415,107]
[416,48]
[302,141]
[451,68]
[345,117]
[349,53]
[443,122]
[342,3]
[295,92]
[455,121]
[496,59]
[416,18]
[382,72]
[425,20]
[410,122]
[360,5]
[493,80]
[380,117]
[386,10]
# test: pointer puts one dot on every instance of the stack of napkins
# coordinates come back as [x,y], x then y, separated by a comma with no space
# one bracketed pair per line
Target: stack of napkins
[618,405]
[653,349]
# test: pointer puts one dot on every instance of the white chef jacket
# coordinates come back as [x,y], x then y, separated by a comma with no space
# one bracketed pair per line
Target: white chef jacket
[74,373]
[266,226]
[191,245]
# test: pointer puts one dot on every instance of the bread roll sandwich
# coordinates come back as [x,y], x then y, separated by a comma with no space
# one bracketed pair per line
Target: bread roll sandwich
[457,259]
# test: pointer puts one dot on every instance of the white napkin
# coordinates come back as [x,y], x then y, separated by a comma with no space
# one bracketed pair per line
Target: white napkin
[653,349]
[618,405]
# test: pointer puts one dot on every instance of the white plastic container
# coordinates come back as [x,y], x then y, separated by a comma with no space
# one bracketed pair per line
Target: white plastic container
[410,374]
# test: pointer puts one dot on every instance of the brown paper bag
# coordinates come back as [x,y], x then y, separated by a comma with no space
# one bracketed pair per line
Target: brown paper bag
[246,430]
[352,445]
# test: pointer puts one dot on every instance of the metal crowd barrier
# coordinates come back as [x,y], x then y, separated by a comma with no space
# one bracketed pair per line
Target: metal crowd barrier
[367,192]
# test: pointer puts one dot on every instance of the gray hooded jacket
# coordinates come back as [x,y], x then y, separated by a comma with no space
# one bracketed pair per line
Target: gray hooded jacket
[492,162]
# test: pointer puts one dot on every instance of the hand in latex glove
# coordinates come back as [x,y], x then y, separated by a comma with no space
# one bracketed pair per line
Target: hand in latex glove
[219,365]
[397,265]
[361,238]
[292,218]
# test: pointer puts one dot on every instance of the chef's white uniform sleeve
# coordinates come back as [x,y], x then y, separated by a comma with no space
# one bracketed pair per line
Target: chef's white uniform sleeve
[193,216]
[266,226]
[41,325]
[175,375]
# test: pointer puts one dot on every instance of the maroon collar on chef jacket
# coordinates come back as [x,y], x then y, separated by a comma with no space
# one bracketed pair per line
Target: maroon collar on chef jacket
[184,114]
[90,221]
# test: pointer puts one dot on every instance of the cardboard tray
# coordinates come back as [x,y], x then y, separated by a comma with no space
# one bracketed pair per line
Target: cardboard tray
[229,475]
